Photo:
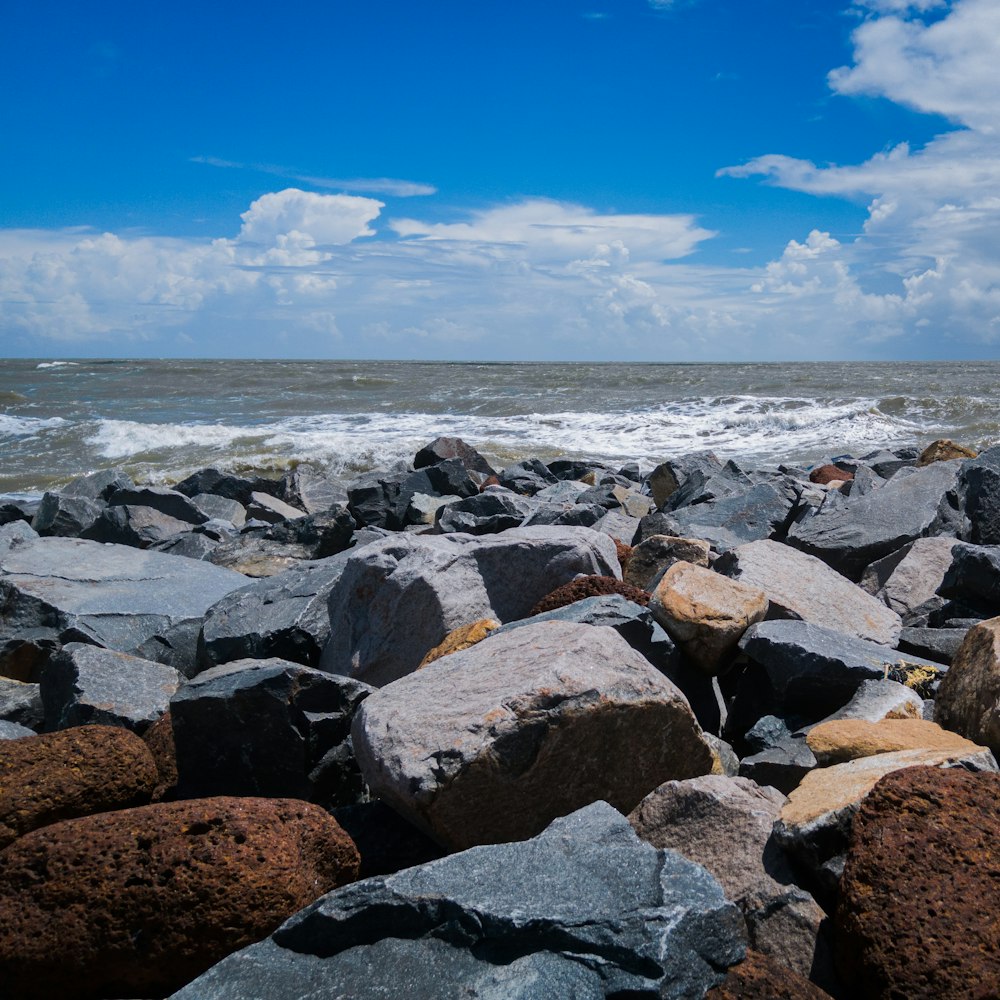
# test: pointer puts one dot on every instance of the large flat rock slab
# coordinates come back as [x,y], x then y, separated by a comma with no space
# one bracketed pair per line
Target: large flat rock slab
[133,601]
[398,598]
[585,910]
[493,743]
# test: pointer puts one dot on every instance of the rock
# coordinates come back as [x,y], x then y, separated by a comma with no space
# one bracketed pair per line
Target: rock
[981,479]
[652,557]
[267,727]
[386,842]
[527,477]
[588,586]
[943,450]
[887,463]
[85,684]
[159,737]
[137,902]
[494,742]
[14,534]
[138,527]
[423,508]
[758,512]
[284,616]
[441,449]
[874,701]
[974,575]
[13,731]
[399,598]
[221,508]
[668,477]
[968,700]
[225,485]
[759,977]
[815,671]
[862,529]
[915,917]
[143,603]
[782,766]
[190,544]
[815,823]
[584,910]
[173,503]
[74,772]
[705,613]
[911,576]
[725,825]
[938,644]
[799,586]
[494,510]
[310,490]
[463,637]
[825,474]
[569,469]
[848,739]
[263,507]
[21,702]
[65,516]
[100,485]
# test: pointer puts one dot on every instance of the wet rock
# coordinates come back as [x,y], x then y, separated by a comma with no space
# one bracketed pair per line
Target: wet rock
[400,597]
[569,469]
[668,477]
[584,910]
[463,637]
[267,727]
[114,596]
[527,477]
[968,700]
[85,684]
[853,534]
[173,503]
[492,743]
[65,516]
[705,613]
[923,862]
[653,556]
[137,902]
[74,772]
[21,702]
[799,586]
[441,449]
[725,824]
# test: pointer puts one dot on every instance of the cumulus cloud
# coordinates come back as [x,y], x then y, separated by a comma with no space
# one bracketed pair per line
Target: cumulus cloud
[308,217]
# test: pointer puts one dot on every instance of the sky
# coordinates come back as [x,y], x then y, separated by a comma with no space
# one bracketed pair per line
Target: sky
[642,180]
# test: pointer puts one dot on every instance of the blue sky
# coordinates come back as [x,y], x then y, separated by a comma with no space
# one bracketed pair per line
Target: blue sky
[635,179]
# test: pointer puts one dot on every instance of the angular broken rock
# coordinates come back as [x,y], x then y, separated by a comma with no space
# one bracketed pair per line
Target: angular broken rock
[848,739]
[656,554]
[492,743]
[705,613]
[877,700]
[584,910]
[910,576]
[399,598]
[463,637]
[802,587]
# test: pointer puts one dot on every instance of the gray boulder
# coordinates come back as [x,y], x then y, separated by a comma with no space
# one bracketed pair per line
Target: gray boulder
[981,480]
[877,700]
[14,731]
[21,702]
[653,556]
[399,598]
[491,743]
[856,532]
[782,766]
[215,507]
[584,910]
[14,534]
[267,727]
[121,598]
[65,516]
[85,684]
[815,671]
[494,510]
[526,477]
[974,574]
[99,485]
[441,449]
[802,587]
[167,501]
[283,616]
[906,579]
[311,490]
[668,477]
[139,527]
[264,507]
[938,644]
[224,484]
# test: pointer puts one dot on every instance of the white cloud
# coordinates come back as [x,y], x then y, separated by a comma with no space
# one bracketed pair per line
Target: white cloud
[305,218]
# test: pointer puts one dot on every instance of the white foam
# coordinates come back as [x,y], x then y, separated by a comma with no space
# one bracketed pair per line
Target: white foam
[13,426]
[57,364]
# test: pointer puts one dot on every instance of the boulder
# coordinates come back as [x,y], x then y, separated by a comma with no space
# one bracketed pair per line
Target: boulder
[13,731]
[853,534]
[139,527]
[309,489]
[492,743]
[584,910]
[463,637]
[441,449]
[938,644]
[589,586]
[815,823]
[874,701]
[968,700]
[823,475]
[668,477]
[815,671]
[705,613]
[284,616]
[653,556]
[85,684]
[782,765]
[173,503]
[801,587]
[399,598]
[65,516]
[981,479]
[74,772]
[943,450]
[527,477]
[263,507]
[101,485]
[224,484]
[423,508]
[495,509]
[916,916]
[759,977]
[14,534]
[267,727]
[848,739]
[725,824]
[974,575]
[907,578]
[144,603]
[137,902]
[219,508]
[21,702]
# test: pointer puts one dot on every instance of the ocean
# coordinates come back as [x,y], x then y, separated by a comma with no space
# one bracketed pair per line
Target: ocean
[162,419]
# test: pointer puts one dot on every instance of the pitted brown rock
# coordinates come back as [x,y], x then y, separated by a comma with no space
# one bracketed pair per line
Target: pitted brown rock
[138,902]
[73,772]
[588,586]
[917,912]
[758,977]
[160,740]
[825,474]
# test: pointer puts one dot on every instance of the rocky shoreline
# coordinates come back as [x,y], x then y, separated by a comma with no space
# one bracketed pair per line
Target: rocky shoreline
[555,730]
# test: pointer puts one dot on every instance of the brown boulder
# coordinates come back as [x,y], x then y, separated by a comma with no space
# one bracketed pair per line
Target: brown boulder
[917,913]
[139,902]
[825,474]
[943,450]
[658,553]
[758,977]
[73,772]
[848,739]
[160,740]
[588,586]
[463,637]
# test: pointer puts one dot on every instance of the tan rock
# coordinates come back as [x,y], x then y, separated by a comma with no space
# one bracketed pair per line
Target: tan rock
[942,450]
[659,552]
[463,637]
[968,700]
[705,613]
[849,739]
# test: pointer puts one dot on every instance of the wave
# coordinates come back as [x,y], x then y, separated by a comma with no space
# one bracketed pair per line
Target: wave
[19,427]
[57,364]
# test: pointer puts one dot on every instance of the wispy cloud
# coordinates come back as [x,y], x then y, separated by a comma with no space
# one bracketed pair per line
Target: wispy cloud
[390,186]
